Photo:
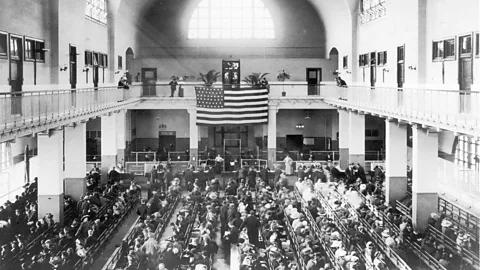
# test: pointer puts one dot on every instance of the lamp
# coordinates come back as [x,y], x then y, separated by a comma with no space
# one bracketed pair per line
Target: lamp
[385,69]
[348,72]
[85,69]
[307,115]
[300,126]
[412,67]
[64,68]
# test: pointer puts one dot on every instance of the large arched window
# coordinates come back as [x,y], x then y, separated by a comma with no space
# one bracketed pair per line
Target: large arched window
[97,10]
[231,19]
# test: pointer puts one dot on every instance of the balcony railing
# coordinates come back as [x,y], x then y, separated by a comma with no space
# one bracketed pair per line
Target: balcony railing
[439,108]
[36,107]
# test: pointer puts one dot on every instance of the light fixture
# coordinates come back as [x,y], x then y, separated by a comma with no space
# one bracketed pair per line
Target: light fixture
[307,115]
[385,69]
[300,126]
[412,67]
[348,72]
[64,68]
[85,69]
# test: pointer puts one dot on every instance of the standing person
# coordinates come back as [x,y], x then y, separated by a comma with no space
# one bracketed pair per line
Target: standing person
[276,175]
[189,178]
[252,224]
[251,177]
[288,165]
[173,86]
[341,82]
[218,164]
[123,84]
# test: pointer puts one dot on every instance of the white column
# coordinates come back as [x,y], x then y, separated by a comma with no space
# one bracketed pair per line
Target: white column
[396,161]
[51,174]
[343,137]
[424,176]
[194,137]
[356,140]
[75,158]
[272,136]
[121,130]
[109,145]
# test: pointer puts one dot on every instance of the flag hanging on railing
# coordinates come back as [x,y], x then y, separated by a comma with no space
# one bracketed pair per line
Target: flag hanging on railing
[218,106]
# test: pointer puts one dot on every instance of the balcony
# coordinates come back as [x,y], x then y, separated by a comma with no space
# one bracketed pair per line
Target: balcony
[29,112]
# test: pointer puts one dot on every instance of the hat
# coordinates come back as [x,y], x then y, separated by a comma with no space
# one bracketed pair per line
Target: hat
[446,223]
[336,244]
[435,216]
[386,233]
[341,253]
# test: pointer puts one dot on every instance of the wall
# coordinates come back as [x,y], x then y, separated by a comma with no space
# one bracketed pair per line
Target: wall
[165,24]
[166,67]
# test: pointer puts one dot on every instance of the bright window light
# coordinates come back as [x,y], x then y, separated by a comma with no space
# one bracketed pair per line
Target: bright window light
[231,19]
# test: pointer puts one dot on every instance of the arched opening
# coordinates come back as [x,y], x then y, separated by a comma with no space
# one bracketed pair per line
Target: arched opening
[129,55]
[333,56]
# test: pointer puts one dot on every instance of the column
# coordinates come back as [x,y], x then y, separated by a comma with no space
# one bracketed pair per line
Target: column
[396,161]
[424,176]
[272,136]
[121,130]
[51,174]
[193,137]
[75,160]
[356,139]
[109,145]
[343,137]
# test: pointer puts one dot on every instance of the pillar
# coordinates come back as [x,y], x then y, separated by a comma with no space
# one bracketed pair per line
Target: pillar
[75,160]
[424,176]
[396,161]
[51,175]
[272,136]
[343,137]
[356,140]
[193,137]
[109,145]
[121,130]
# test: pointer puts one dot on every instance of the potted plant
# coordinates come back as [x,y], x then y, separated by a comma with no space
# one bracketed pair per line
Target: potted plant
[255,79]
[282,76]
[209,78]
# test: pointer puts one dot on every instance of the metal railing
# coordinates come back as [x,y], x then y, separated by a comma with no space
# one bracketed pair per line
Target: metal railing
[36,107]
[445,107]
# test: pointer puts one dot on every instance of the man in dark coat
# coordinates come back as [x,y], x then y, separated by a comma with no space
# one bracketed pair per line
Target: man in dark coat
[264,174]
[252,176]
[252,224]
[224,217]
[301,172]
[168,178]
[360,173]
[142,210]
[276,174]
[189,178]
[113,175]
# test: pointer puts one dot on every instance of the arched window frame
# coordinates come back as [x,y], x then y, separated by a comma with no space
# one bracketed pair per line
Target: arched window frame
[97,10]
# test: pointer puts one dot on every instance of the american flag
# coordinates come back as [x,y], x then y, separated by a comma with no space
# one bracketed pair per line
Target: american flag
[217,106]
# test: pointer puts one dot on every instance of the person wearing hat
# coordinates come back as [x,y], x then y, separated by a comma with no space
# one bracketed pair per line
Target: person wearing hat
[252,224]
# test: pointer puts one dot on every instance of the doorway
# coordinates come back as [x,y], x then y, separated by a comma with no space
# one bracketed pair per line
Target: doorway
[314,77]
[373,69]
[166,143]
[465,76]
[73,74]
[400,73]
[294,142]
[149,79]
[129,55]
[16,73]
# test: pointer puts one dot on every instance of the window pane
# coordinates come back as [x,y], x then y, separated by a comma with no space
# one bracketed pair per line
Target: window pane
[466,44]
[96,10]
[234,19]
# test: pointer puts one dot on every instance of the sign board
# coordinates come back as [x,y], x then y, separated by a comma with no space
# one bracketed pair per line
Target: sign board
[136,168]
[167,133]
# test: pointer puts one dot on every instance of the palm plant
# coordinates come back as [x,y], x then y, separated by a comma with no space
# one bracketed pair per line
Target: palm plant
[209,78]
[255,79]
[282,77]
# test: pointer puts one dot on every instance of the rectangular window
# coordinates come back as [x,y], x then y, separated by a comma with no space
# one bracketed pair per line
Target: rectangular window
[345,62]
[3,45]
[34,50]
[466,45]
[363,61]
[88,58]
[105,60]
[95,59]
[100,60]
[401,54]
[120,62]
[477,47]
[14,48]
[382,58]
[449,49]
[437,50]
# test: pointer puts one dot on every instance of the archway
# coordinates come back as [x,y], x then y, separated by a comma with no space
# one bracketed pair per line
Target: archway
[333,56]
[129,55]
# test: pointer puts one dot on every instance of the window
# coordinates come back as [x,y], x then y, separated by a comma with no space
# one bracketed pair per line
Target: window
[345,62]
[465,45]
[88,58]
[97,10]
[437,50]
[120,62]
[100,60]
[449,48]
[105,60]
[230,19]
[5,156]
[382,58]
[3,45]
[467,153]
[401,54]
[477,47]
[363,60]
[371,10]
[14,48]
[95,59]
[371,133]
[34,50]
